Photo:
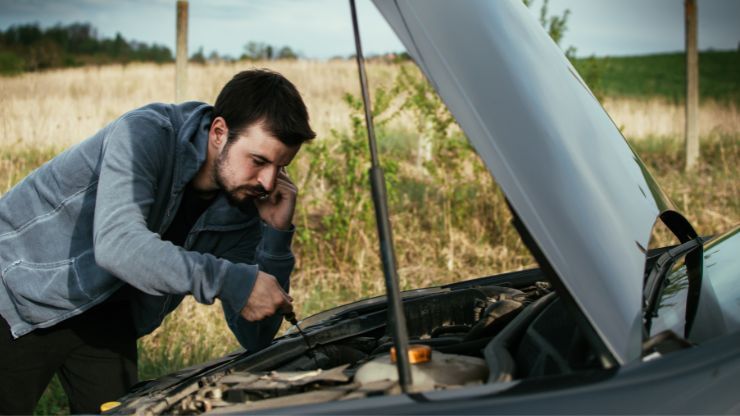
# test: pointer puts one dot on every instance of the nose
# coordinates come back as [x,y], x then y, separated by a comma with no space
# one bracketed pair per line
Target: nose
[268,177]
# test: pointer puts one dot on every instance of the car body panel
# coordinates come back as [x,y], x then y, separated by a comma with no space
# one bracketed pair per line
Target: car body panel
[582,193]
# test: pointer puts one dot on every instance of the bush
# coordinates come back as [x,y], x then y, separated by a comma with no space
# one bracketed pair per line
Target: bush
[10,63]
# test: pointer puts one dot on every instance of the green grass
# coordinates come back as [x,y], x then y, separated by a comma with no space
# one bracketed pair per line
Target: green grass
[709,195]
[17,162]
[54,401]
[663,75]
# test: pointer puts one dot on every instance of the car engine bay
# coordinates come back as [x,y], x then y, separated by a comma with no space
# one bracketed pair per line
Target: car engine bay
[472,335]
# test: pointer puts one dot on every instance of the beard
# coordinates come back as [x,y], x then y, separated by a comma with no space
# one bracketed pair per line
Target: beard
[241,196]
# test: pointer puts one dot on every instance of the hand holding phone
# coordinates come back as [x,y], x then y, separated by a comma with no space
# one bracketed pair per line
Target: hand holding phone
[277,207]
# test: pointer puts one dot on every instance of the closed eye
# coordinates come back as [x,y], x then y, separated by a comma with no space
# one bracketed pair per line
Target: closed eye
[258,161]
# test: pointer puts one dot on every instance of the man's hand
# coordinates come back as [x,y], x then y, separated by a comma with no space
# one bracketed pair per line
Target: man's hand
[278,208]
[267,298]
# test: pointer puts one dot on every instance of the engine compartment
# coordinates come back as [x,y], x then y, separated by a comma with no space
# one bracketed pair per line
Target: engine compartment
[479,334]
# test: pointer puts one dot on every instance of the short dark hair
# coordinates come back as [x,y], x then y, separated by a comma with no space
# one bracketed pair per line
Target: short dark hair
[261,95]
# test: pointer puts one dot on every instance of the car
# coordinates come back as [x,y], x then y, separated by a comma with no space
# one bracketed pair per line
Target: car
[605,324]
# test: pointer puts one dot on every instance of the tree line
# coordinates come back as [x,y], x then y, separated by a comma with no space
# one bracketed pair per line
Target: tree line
[28,47]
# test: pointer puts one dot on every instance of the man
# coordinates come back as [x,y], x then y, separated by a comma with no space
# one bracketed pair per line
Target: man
[103,241]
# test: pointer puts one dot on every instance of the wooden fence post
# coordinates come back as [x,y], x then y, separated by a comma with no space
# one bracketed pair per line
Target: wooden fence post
[692,86]
[181,61]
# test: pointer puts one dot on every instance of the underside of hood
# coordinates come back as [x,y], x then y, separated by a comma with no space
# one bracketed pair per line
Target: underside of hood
[584,196]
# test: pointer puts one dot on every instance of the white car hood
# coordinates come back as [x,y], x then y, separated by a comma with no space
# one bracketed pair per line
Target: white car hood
[580,190]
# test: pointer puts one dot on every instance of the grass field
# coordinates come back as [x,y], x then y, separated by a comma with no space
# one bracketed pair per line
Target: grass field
[449,225]
[664,76]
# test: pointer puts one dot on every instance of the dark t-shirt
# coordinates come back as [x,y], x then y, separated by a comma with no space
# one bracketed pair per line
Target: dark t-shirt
[191,208]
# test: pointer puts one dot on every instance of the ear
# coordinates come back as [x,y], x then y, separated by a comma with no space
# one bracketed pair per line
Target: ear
[218,133]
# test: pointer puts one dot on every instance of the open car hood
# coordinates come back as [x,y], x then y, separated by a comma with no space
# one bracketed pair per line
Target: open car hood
[579,189]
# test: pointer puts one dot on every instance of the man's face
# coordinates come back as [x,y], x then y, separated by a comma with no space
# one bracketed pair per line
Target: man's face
[248,167]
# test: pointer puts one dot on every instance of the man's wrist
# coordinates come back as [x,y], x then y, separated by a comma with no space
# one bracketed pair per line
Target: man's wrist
[281,226]
[275,240]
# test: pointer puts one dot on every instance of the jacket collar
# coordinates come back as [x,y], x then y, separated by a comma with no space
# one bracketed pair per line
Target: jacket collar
[192,149]
[192,145]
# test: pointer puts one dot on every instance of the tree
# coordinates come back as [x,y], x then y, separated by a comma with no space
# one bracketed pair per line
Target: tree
[554,25]
[27,47]
[198,57]
[286,53]
[44,54]
[120,47]
[257,51]
[590,69]
[214,56]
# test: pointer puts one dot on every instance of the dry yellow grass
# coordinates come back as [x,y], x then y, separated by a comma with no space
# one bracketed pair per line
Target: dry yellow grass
[657,117]
[63,107]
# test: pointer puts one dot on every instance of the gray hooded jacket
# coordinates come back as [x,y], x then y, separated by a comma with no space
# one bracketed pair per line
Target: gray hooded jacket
[90,220]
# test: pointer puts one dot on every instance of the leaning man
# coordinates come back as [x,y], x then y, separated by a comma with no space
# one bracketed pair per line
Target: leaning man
[98,245]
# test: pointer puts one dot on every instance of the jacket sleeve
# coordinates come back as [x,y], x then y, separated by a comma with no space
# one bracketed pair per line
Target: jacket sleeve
[134,155]
[273,255]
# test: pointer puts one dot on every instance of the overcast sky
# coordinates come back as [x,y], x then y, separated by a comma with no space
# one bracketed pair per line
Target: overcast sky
[322,28]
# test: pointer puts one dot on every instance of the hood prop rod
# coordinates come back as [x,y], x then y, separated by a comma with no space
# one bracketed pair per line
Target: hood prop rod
[387,254]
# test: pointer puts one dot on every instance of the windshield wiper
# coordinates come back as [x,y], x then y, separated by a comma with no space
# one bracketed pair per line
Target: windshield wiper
[656,281]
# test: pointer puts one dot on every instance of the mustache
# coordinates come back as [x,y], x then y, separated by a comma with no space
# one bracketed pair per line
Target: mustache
[252,189]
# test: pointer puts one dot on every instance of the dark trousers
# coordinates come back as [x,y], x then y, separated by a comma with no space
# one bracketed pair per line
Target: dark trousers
[94,355]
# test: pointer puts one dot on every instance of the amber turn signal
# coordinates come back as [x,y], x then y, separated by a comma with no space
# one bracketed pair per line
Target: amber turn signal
[417,354]
[108,406]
